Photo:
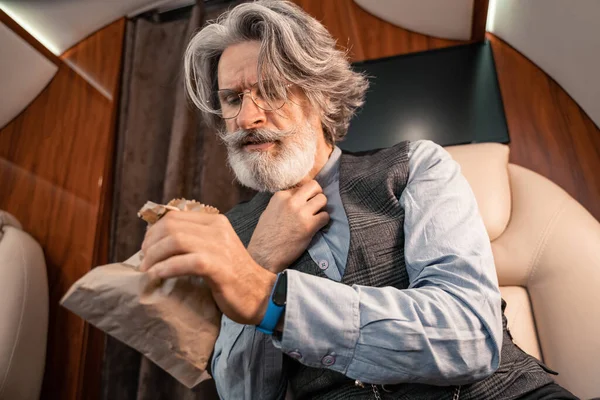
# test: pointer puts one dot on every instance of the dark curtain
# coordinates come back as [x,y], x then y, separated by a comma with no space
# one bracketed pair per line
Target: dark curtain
[164,151]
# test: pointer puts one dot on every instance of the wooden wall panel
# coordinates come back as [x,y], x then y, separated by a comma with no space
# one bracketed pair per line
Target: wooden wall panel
[55,162]
[479,20]
[550,133]
[16,28]
[365,35]
[97,62]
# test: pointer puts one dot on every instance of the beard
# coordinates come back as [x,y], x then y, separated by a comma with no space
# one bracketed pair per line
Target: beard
[280,167]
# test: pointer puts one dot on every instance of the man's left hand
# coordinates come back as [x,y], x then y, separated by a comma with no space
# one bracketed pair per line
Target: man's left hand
[206,245]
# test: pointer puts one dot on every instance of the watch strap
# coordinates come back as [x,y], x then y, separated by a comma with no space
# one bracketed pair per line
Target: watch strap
[273,313]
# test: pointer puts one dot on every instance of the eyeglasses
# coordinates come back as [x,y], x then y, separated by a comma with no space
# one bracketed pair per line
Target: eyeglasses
[231,101]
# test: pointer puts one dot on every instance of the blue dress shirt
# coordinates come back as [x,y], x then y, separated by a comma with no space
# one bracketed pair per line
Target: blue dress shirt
[445,329]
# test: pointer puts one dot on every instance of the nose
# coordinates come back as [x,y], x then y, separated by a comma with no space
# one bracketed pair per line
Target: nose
[251,116]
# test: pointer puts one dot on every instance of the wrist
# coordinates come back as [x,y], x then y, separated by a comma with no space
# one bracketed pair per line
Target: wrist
[275,306]
[264,295]
[260,259]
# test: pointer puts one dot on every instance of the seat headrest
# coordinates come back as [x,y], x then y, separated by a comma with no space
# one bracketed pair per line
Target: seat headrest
[485,165]
[7,219]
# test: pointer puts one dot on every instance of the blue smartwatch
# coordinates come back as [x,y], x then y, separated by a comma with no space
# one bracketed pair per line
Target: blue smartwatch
[276,305]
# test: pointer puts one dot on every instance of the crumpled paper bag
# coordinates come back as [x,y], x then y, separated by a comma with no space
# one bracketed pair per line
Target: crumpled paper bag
[174,322]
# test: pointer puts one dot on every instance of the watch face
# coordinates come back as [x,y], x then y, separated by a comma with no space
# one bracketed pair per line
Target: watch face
[280,291]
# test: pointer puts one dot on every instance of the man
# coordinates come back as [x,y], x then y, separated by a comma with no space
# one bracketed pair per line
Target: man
[362,276]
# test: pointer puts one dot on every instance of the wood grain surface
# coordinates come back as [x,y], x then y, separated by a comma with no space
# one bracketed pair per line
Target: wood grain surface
[365,35]
[97,62]
[479,20]
[550,133]
[16,28]
[55,160]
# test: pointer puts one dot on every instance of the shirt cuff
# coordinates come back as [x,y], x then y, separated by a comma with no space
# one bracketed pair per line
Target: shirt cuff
[321,323]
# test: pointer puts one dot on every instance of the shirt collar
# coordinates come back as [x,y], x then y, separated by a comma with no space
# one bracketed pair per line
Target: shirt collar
[329,172]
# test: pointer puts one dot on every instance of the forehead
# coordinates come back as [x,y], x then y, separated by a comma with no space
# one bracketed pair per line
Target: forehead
[238,65]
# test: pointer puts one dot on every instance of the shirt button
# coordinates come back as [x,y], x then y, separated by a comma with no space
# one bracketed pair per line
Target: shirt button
[295,354]
[323,264]
[328,360]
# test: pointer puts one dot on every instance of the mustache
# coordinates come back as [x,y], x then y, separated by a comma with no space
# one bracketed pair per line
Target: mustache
[240,137]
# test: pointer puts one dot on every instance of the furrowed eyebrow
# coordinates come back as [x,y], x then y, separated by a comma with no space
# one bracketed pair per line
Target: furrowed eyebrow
[233,89]
[238,88]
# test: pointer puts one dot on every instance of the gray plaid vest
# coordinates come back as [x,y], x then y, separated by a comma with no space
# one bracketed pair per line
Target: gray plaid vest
[370,185]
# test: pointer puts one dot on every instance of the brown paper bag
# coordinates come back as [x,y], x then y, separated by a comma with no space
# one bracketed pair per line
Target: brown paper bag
[174,322]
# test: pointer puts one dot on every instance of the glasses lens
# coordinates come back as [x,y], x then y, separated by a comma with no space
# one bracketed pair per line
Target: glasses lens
[273,97]
[229,102]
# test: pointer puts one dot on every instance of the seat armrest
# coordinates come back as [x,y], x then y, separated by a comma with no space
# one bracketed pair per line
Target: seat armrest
[23,312]
[551,246]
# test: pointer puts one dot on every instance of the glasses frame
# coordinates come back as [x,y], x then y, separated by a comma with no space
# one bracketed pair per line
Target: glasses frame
[251,92]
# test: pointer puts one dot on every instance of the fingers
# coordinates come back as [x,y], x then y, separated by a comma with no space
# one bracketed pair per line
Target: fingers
[308,190]
[316,204]
[158,233]
[322,219]
[179,265]
[168,246]
[193,216]
[177,222]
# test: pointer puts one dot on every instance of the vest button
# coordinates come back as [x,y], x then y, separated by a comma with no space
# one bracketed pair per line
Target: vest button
[328,360]
[323,264]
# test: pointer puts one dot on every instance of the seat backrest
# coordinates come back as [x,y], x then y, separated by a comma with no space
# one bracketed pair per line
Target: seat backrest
[550,245]
[23,312]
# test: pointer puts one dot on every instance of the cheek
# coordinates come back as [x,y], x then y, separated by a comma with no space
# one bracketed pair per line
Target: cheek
[291,116]
[230,125]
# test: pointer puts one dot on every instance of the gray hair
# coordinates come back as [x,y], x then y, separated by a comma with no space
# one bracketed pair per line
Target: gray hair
[294,48]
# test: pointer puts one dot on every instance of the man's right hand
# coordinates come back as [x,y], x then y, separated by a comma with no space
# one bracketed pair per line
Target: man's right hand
[287,226]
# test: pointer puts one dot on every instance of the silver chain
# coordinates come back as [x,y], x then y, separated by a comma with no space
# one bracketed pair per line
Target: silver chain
[456,393]
[373,388]
[358,383]
[376,392]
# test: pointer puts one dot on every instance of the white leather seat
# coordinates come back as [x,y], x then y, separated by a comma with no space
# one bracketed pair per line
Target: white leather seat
[547,254]
[23,312]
